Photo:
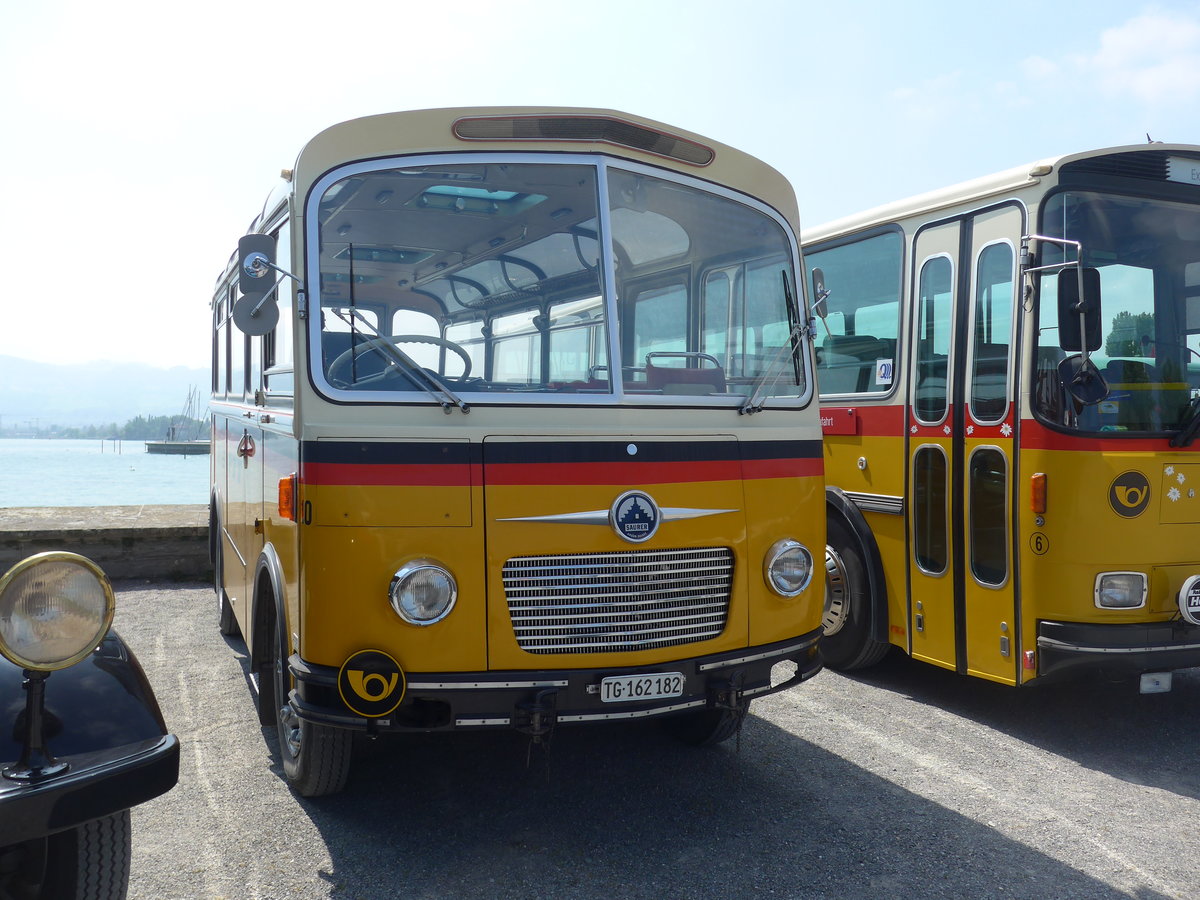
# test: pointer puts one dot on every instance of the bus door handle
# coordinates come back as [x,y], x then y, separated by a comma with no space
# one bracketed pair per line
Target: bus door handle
[245,449]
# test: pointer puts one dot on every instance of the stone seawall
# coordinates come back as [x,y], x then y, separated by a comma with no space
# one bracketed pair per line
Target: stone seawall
[153,542]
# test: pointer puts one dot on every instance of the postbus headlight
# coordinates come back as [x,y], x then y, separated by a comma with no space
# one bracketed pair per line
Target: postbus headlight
[788,567]
[1120,590]
[55,608]
[422,592]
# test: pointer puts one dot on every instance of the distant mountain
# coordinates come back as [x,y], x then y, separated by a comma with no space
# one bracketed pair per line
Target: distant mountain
[37,396]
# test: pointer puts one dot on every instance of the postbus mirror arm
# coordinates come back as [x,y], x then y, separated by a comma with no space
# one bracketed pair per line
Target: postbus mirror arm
[257,263]
[1029,257]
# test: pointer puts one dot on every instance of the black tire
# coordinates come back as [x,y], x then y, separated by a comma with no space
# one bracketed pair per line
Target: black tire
[316,758]
[88,862]
[705,727]
[846,641]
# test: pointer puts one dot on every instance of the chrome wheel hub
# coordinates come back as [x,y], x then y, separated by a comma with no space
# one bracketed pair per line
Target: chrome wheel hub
[837,594]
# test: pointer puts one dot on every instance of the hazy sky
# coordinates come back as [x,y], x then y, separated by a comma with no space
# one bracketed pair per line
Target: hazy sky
[140,138]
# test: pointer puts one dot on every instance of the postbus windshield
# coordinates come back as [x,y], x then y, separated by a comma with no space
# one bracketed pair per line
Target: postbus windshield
[528,275]
[1147,252]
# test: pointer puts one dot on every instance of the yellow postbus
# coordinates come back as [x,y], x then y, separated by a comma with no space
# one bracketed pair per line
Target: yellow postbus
[514,426]
[1009,373]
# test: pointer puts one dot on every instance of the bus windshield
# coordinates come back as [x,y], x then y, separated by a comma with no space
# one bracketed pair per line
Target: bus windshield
[502,276]
[1147,252]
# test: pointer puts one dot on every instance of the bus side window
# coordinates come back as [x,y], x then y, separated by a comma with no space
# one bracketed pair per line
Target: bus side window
[256,365]
[935,306]
[992,333]
[220,374]
[238,344]
[278,350]
[857,351]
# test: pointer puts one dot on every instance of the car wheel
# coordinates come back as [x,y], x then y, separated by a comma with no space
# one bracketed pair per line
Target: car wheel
[88,862]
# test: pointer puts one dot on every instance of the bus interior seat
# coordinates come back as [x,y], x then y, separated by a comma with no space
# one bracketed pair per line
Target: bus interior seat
[1130,371]
[680,380]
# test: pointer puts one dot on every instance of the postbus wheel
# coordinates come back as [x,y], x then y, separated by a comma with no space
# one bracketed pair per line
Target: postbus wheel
[705,727]
[316,758]
[846,641]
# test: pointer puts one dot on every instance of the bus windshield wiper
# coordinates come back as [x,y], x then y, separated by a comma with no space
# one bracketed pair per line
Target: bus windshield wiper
[401,361]
[787,353]
[1188,426]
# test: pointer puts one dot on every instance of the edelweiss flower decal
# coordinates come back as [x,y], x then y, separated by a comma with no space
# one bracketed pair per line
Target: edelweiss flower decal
[1173,494]
[1006,430]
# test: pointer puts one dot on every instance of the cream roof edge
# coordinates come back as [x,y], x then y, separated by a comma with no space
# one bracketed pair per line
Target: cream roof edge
[430,130]
[971,192]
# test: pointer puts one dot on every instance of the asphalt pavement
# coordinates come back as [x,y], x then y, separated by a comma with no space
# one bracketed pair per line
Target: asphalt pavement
[903,781]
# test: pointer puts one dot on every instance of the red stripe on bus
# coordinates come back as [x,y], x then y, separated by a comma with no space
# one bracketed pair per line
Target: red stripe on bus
[1035,436]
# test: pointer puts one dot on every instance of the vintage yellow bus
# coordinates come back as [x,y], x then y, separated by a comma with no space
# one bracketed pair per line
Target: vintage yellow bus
[1009,373]
[514,426]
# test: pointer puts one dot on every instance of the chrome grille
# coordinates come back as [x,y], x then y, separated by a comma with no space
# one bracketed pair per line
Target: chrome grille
[611,602]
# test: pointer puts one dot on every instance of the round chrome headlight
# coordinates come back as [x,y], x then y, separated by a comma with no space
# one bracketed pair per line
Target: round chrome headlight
[55,608]
[788,567]
[422,592]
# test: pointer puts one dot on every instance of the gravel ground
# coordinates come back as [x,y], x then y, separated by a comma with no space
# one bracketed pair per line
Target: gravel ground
[905,781]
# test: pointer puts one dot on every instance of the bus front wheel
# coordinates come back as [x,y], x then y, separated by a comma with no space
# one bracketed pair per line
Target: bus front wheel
[846,641]
[316,758]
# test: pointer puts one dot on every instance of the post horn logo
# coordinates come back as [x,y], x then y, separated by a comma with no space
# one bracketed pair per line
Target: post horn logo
[371,683]
[634,516]
[1129,494]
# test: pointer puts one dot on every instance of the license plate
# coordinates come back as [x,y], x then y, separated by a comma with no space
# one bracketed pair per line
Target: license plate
[623,688]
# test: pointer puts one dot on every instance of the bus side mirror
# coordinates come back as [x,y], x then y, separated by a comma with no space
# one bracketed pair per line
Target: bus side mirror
[1079,317]
[256,257]
[820,294]
[256,311]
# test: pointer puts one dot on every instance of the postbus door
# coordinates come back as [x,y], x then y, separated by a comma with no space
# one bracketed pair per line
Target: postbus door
[960,423]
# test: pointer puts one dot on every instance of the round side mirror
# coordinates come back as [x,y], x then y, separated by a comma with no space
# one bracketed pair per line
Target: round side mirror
[1083,380]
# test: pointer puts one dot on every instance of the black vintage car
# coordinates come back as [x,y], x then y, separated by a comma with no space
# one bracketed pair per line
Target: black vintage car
[81,735]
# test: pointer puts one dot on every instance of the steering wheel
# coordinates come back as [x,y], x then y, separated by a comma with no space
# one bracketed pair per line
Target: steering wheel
[376,344]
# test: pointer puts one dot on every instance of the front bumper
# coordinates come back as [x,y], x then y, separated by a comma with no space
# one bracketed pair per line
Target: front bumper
[96,784]
[1067,648]
[535,701]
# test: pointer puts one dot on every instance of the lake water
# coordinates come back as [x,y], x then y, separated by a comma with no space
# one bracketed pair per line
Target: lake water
[97,473]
